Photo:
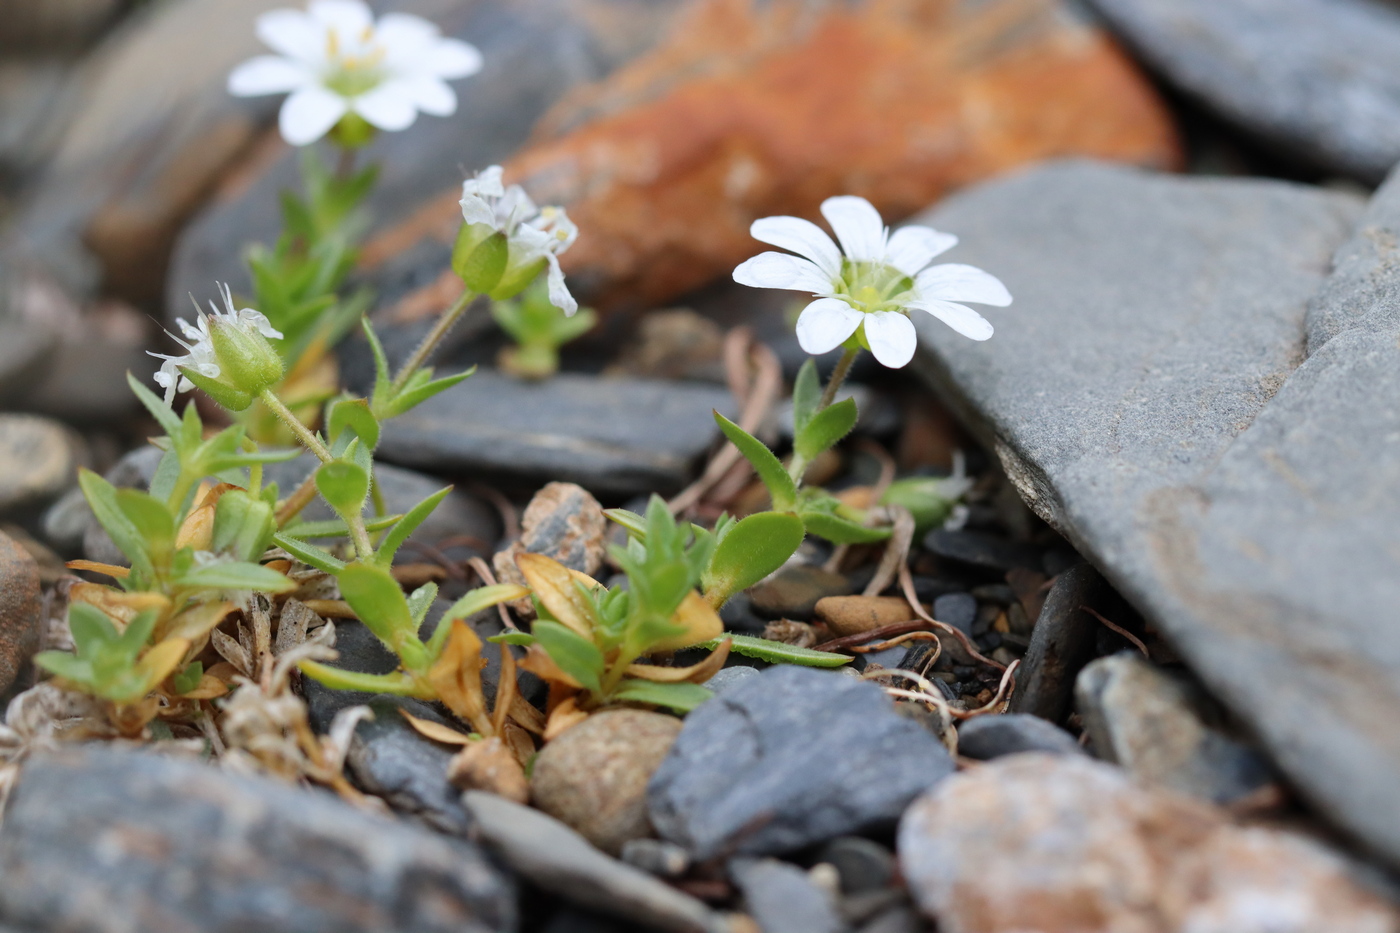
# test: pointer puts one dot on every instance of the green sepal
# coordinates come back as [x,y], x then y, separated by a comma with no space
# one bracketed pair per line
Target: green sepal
[479,256]
[749,551]
[770,470]
[775,651]
[230,397]
[682,697]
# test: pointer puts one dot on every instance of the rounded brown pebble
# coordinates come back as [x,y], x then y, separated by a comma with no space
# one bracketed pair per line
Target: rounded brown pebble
[20,617]
[39,459]
[851,615]
[594,777]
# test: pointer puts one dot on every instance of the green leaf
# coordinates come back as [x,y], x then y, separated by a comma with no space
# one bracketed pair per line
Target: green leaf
[379,602]
[777,652]
[236,576]
[825,429]
[682,697]
[66,666]
[576,656]
[91,628]
[750,551]
[383,375]
[417,393]
[929,499]
[483,597]
[635,524]
[344,484]
[806,396]
[168,420]
[309,554]
[407,525]
[102,498]
[335,527]
[420,601]
[769,468]
[189,678]
[397,683]
[166,476]
[354,414]
[524,639]
[838,530]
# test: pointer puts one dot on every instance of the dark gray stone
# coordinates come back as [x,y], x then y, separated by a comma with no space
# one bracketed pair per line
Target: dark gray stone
[982,550]
[863,864]
[619,436]
[1062,642]
[1315,78]
[1126,395]
[793,592]
[987,737]
[558,860]
[102,840]
[956,609]
[39,459]
[1158,727]
[391,759]
[782,898]
[25,351]
[791,757]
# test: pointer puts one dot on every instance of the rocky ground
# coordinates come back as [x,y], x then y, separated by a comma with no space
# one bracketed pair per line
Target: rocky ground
[1170,706]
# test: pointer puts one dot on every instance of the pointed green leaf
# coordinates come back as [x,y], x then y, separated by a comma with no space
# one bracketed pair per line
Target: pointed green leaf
[777,652]
[769,468]
[524,639]
[420,601]
[398,683]
[91,628]
[415,395]
[102,498]
[750,551]
[168,420]
[309,554]
[379,602]
[636,525]
[838,530]
[576,656]
[189,678]
[682,697]
[63,664]
[383,375]
[806,396]
[407,525]
[825,429]
[236,576]
[335,527]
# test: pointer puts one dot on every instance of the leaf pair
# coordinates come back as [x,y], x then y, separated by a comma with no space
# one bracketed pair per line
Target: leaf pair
[113,664]
[386,401]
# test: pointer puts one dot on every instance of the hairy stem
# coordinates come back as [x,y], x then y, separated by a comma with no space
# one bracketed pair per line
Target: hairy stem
[440,330]
[838,376]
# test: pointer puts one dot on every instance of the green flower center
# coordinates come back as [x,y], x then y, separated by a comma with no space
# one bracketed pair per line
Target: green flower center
[353,75]
[871,287]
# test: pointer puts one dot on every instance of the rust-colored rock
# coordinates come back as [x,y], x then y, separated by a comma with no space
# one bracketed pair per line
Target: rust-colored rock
[21,621]
[594,777]
[851,615]
[749,110]
[1063,844]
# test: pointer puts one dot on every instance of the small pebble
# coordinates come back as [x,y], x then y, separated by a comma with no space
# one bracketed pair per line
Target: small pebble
[851,615]
[39,459]
[656,857]
[987,737]
[956,609]
[862,864]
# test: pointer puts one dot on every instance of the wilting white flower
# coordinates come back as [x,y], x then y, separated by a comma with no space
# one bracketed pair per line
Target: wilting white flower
[872,280]
[535,234]
[199,352]
[334,59]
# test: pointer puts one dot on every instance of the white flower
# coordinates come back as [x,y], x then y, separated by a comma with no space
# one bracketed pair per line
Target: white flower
[534,234]
[335,59]
[199,346]
[874,284]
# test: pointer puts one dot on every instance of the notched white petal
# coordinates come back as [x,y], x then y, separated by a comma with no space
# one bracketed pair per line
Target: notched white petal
[390,107]
[825,324]
[450,59]
[293,33]
[802,237]
[268,74]
[956,282]
[961,318]
[892,338]
[559,295]
[857,225]
[913,247]
[783,270]
[309,114]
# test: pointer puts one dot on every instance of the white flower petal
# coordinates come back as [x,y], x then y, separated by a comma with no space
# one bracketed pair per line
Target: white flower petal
[558,291]
[309,114]
[891,337]
[961,318]
[956,282]
[389,106]
[783,270]
[404,37]
[912,248]
[858,226]
[430,95]
[450,59]
[351,19]
[268,74]
[294,34]
[802,237]
[825,324]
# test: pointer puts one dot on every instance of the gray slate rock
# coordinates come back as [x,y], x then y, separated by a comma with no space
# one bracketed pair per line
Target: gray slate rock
[101,840]
[788,758]
[39,459]
[1126,396]
[863,864]
[1062,642]
[1315,78]
[781,897]
[1156,725]
[553,857]
[619,436]
[987,737]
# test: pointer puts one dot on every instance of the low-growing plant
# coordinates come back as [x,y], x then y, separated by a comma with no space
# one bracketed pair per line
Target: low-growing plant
[539,329]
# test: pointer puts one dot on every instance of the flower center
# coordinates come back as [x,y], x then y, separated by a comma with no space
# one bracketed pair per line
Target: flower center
[873,286]
[353,74]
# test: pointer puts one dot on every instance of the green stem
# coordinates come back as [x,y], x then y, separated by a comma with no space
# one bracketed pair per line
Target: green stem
[797,466]
[355,522]
[434,337]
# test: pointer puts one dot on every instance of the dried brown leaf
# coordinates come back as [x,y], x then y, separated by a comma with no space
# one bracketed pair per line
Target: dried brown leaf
[554,586]
[695,673]
[490,765]
[436,730]
[456,677]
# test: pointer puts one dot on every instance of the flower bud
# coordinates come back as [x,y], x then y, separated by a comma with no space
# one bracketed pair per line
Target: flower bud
[247,359]
[480,256]
[243,526]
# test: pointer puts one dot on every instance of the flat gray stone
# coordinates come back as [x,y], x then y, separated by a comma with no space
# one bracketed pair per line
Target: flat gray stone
[112,841]
[1316,78]
[987,737]
[619,436]
[1126,395]
[781,897]
[789,758]
[1062,642]
[553,857]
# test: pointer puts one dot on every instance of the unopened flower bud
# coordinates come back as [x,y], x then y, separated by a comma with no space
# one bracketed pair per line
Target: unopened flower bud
[243,526]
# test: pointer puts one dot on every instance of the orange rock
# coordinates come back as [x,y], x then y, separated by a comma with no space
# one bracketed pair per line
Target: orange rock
[851,615]
[747,111]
